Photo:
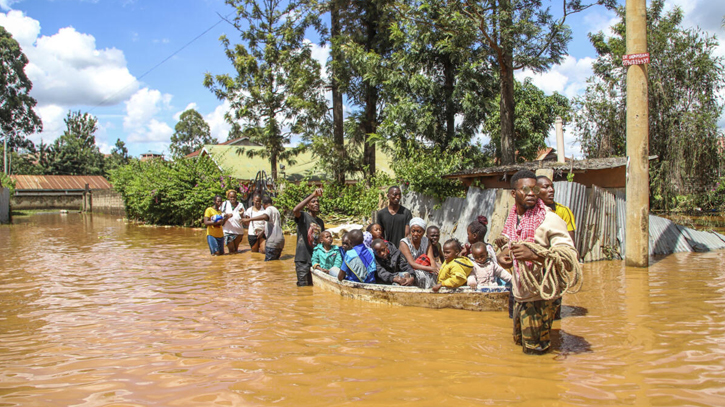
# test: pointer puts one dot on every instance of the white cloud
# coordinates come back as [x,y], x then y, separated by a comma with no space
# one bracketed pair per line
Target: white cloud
[53,124]
[217,124]
[7,4]
[191,105]
[139,120]
[321,55]
[568,78]
[66,68]
[601,20]
[142,107]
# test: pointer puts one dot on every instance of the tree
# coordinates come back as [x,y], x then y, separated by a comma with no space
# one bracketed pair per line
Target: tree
[685,79]
[75,152]
[190,134]
[535,116]
[435,83]
[277,91]
[519,34]
[119,157]
[17,117]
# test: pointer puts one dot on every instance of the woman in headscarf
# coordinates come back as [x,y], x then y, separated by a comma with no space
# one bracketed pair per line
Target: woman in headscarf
[233,228]
[418,251]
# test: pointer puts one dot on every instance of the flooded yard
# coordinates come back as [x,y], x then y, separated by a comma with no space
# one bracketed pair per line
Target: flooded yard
[95,312]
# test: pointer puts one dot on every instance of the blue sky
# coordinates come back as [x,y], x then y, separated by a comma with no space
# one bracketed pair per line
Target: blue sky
[90,55]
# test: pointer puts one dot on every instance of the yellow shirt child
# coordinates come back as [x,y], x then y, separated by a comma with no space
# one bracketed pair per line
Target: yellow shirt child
[456,269]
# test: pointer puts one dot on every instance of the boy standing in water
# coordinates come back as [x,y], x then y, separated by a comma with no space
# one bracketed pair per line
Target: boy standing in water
[309,226]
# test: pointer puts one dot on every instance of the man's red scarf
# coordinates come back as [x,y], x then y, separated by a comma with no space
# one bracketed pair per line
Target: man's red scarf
[524,230]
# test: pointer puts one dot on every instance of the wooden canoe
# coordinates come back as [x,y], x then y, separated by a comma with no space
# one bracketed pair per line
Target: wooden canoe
[459,298]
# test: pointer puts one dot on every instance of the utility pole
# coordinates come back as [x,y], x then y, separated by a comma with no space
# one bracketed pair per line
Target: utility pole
[637,232]
[5,155]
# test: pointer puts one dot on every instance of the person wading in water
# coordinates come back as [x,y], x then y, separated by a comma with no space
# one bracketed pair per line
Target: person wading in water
[309,226]
[532,236]
[547,195]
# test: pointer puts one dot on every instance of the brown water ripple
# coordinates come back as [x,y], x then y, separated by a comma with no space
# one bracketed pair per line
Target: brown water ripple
[95,312]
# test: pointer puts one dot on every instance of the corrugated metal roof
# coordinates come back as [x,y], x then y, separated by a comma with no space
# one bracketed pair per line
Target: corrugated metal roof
[576,165]
[59,182]
[666,237]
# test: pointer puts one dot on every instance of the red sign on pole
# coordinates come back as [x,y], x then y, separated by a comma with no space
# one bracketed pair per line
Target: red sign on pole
[635,59]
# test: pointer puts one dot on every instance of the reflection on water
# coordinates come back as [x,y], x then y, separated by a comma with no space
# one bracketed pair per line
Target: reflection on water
[95,312]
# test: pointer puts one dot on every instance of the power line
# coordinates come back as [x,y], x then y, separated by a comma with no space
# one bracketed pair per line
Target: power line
[221,20]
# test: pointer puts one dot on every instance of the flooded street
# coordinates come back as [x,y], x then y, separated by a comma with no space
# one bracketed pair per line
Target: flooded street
[94,312]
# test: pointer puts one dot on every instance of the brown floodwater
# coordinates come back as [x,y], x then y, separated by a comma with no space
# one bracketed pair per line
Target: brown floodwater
[95,312]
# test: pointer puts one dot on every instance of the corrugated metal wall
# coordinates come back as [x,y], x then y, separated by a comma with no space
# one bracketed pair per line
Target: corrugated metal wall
[4,205]
[600,220]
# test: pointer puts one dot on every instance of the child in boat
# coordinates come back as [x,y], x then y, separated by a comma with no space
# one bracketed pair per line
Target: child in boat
[456,269]
[358,265]
[486,272]
[369,236]
[326,256]
[392,268]
[376,231]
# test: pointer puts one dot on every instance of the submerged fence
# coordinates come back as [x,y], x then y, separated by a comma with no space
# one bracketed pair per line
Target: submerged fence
[600,219]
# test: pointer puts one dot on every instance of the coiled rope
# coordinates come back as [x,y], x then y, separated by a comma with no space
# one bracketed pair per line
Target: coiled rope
[562,273]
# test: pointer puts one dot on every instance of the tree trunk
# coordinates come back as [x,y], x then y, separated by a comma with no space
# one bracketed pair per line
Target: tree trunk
[371,93]
[506,79]
[449,71]
[507,106]
[273,162]
[337,114]
[370,126]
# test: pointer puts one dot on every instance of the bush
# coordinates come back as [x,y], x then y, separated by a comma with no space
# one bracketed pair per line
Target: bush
[357,201]
[423,171]
[170,192]
[7,182]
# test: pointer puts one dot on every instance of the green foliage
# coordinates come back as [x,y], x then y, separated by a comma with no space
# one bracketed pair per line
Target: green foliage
[190,134]
[17,117]
[119,156]
[434,80]
[352,200]
[7,182]
[423,168]
[170,192]
[685,79]
[535,114]
[277,83]
[519,34]
[713,198]
[75,152]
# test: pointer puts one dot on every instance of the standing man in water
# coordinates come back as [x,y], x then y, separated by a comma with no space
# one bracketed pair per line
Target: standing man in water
[309,226]
[546,194]
[394,219]
[532,223]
